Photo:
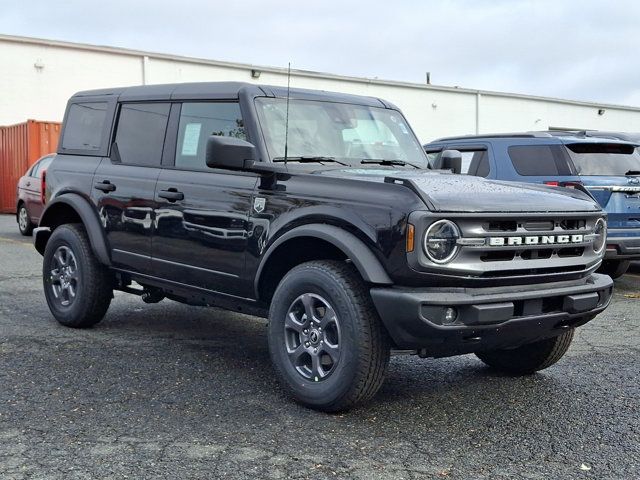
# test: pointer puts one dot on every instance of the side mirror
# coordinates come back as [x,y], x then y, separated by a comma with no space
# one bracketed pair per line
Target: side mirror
[451,160]
[229,152]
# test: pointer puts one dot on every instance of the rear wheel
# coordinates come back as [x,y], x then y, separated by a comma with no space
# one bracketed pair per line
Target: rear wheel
[24,222]
[77,287]
[529,358]
[614,268]
[327,343]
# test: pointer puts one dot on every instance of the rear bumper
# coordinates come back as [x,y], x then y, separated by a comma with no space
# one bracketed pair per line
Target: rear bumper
[623,243]
[488,318]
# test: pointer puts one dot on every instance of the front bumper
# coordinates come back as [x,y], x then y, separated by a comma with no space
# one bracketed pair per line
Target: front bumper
[488,318]
[623,244]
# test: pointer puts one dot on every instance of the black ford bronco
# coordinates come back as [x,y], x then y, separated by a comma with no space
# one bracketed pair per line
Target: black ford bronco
[318,211]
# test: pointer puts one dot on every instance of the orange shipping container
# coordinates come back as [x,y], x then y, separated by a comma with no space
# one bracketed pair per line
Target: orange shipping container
[20,146]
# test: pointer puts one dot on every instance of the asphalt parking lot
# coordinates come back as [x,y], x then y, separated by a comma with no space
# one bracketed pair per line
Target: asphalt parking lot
[169,391]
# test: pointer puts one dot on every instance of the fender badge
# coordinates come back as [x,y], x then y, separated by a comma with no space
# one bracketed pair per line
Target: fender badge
[259,203]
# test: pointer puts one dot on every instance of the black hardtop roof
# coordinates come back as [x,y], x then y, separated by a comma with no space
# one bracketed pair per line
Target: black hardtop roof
[561,136]
[225,90]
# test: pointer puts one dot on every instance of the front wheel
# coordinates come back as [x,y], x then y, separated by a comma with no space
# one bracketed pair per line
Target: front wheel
[326,341]
[24,222]
[614,268]
[529,358]
[77,287]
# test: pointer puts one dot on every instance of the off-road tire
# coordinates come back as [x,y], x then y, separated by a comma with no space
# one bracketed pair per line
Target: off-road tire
[25,225]
[529,358]
[94,289]
[364,342]
[614,268]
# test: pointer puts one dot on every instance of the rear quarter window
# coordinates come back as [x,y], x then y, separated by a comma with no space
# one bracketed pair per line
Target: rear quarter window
[84,126]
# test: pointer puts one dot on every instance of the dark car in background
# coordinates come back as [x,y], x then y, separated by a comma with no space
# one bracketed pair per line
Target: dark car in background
[607,167]
[30,195]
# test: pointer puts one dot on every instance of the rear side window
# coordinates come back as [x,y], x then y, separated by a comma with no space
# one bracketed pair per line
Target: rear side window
[140,134]
[84,126]
[539,160]
[198,121]
[41,166]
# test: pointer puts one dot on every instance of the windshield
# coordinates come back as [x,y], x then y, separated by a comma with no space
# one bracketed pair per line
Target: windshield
[344,132]
[604,159]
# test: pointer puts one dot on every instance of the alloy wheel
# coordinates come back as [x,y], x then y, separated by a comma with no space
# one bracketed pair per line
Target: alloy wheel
[312,337]
[23,219]
[65,278]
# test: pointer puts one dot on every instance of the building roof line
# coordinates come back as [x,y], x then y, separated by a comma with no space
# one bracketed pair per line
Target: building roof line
[303,73]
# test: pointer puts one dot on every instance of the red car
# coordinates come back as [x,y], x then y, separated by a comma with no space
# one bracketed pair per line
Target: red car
[30,196]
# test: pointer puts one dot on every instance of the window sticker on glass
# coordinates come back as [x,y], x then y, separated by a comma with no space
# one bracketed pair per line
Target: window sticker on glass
[191,139]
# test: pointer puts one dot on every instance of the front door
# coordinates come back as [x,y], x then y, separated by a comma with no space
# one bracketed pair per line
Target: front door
[124,183]
[202,214]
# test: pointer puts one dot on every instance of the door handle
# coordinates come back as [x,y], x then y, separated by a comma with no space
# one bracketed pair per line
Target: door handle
[172,194]
[106,186]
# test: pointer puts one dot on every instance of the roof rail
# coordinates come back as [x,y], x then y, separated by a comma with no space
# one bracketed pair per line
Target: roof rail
[531,134]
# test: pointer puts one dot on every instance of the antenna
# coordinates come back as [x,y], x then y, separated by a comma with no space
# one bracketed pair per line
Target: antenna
[286,122]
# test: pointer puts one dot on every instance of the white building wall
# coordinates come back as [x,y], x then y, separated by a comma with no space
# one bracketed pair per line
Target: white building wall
[38,76]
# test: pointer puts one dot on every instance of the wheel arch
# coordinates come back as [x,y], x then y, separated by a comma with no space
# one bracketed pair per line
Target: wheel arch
[73,208]
[321,241]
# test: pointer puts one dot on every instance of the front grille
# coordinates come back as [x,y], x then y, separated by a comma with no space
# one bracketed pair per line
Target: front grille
[531,245]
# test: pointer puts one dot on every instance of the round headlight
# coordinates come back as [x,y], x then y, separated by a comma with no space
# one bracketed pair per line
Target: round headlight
[440,241]
[600,235]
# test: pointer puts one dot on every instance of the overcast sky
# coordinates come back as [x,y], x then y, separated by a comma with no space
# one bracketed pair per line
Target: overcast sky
[583,50]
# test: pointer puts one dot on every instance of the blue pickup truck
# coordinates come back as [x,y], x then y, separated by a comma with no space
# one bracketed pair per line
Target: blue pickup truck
[605,166]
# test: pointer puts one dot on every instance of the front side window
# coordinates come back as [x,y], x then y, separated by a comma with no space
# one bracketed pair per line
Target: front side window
[475,162]
[140,134]
[198,121]
[605,159]
[84,126]
[348,133]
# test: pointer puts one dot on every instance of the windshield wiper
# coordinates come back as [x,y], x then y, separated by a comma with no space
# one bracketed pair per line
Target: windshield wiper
[633,172]
[309,159]
[380,161]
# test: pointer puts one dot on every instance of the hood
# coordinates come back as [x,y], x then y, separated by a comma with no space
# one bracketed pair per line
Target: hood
[446,192]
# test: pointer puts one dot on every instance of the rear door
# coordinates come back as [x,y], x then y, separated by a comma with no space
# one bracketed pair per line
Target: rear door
[34,203]
[202,214]
[29,188]
[124,183]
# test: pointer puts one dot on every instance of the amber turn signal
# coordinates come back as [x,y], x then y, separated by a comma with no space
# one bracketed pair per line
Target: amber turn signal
[411,231]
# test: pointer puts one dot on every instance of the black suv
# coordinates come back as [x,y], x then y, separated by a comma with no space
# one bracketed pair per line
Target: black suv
[318,211]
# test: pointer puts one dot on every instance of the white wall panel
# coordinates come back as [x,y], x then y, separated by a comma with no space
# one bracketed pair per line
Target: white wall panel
[41,93]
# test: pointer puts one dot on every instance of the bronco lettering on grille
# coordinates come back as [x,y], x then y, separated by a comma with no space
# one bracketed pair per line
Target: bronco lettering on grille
[535,240]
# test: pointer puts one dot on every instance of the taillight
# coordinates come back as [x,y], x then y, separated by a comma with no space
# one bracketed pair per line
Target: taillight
[555,183]
[43,187]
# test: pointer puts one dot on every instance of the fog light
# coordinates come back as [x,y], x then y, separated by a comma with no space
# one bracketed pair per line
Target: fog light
[450,315]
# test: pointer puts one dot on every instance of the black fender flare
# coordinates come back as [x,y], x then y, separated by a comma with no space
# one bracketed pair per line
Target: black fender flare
[89,217]
[355,249]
